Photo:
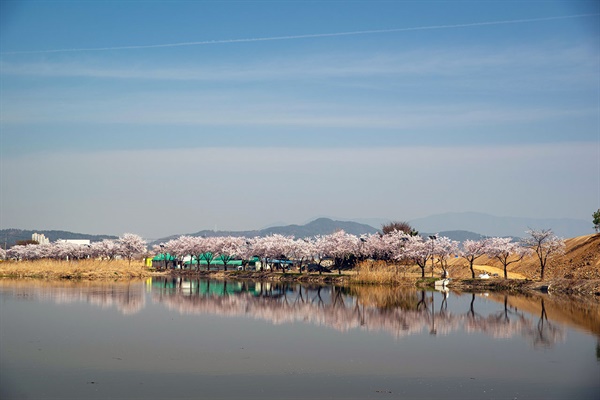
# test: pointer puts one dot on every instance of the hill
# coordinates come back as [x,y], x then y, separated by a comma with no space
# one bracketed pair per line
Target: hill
[11,236]
[581,261]
[320,226]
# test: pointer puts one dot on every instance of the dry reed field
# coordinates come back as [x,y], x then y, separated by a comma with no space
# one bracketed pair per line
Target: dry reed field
[382,273]
[77,269]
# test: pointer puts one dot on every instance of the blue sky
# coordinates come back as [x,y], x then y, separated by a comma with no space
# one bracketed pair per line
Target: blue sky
[116,115]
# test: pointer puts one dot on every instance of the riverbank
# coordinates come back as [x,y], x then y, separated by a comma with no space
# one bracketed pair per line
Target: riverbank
[564,286]
[76,269]
[585,287]
[123,270]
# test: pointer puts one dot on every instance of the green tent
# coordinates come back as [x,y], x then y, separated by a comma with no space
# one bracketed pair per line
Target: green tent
[163,257]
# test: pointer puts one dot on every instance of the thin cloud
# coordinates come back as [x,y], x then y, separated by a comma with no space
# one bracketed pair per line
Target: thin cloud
[447,62]
[306,36]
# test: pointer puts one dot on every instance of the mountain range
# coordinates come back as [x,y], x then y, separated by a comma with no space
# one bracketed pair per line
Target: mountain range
[320,226]
[456,226]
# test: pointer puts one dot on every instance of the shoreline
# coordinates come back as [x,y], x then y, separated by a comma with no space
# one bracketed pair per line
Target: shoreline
[563,286]
[578,287]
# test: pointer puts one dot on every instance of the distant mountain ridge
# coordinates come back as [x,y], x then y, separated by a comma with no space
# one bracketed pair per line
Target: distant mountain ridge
[323,226]
[320,226]
[11,236]
[456,226]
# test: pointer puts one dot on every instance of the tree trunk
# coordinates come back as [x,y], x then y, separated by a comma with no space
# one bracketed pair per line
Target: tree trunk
[542,271]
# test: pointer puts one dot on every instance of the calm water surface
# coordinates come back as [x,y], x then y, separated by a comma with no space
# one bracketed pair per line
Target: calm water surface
[177,338]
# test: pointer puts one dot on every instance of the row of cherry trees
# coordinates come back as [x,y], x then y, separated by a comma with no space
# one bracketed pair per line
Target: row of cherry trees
[345,249]
[127,246]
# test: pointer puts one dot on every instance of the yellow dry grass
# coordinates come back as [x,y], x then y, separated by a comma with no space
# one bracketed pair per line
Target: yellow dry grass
[381,273]
[80,269]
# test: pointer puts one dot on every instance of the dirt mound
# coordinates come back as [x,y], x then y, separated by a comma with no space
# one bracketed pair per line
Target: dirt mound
[580,261]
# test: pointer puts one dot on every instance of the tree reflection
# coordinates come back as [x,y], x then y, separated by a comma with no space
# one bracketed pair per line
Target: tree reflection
[396,311]
[127,297]
[547,333]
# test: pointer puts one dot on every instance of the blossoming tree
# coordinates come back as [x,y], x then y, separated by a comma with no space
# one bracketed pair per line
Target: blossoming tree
[545,245]
[506,251]
[472,250]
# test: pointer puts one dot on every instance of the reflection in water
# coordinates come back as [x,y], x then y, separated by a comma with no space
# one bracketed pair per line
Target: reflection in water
[397,312]
[68,340]
[127,297]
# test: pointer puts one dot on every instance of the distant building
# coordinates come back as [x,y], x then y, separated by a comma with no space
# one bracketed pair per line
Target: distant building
[81,242]
[40,238]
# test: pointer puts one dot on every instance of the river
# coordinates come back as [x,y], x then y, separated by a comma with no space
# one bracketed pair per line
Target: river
[204,339]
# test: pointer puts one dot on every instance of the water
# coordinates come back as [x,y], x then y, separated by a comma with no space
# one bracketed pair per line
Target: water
[178,338]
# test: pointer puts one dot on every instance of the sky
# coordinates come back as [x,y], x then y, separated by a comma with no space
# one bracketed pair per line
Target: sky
[163,118]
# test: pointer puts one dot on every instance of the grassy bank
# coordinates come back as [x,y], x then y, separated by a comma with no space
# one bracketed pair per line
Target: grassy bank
[80,269]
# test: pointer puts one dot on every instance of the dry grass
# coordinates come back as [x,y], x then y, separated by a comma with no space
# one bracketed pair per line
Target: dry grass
[81,269]
[381,273]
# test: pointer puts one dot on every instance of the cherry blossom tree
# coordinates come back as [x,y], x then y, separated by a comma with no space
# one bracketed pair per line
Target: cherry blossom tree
[205,248]
[341,246]
[393,244]
[246,251]
[20,252]
[506,251]
[2,254]
[66,251]
[13,253]
[176,248]
[391,247]
[228,248]
[131,245]
[106,249]
[302,250]
[418,251]
[444,249]
[272,247]
[472,250]
[373,247]
[545,245]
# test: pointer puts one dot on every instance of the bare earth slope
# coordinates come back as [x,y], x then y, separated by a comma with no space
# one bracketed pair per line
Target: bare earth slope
[580,261]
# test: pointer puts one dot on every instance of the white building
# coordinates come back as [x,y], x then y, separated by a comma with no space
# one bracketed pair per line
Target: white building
[40,238]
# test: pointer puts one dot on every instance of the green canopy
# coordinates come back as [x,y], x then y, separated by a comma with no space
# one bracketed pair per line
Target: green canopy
[216,261]
[163,256]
